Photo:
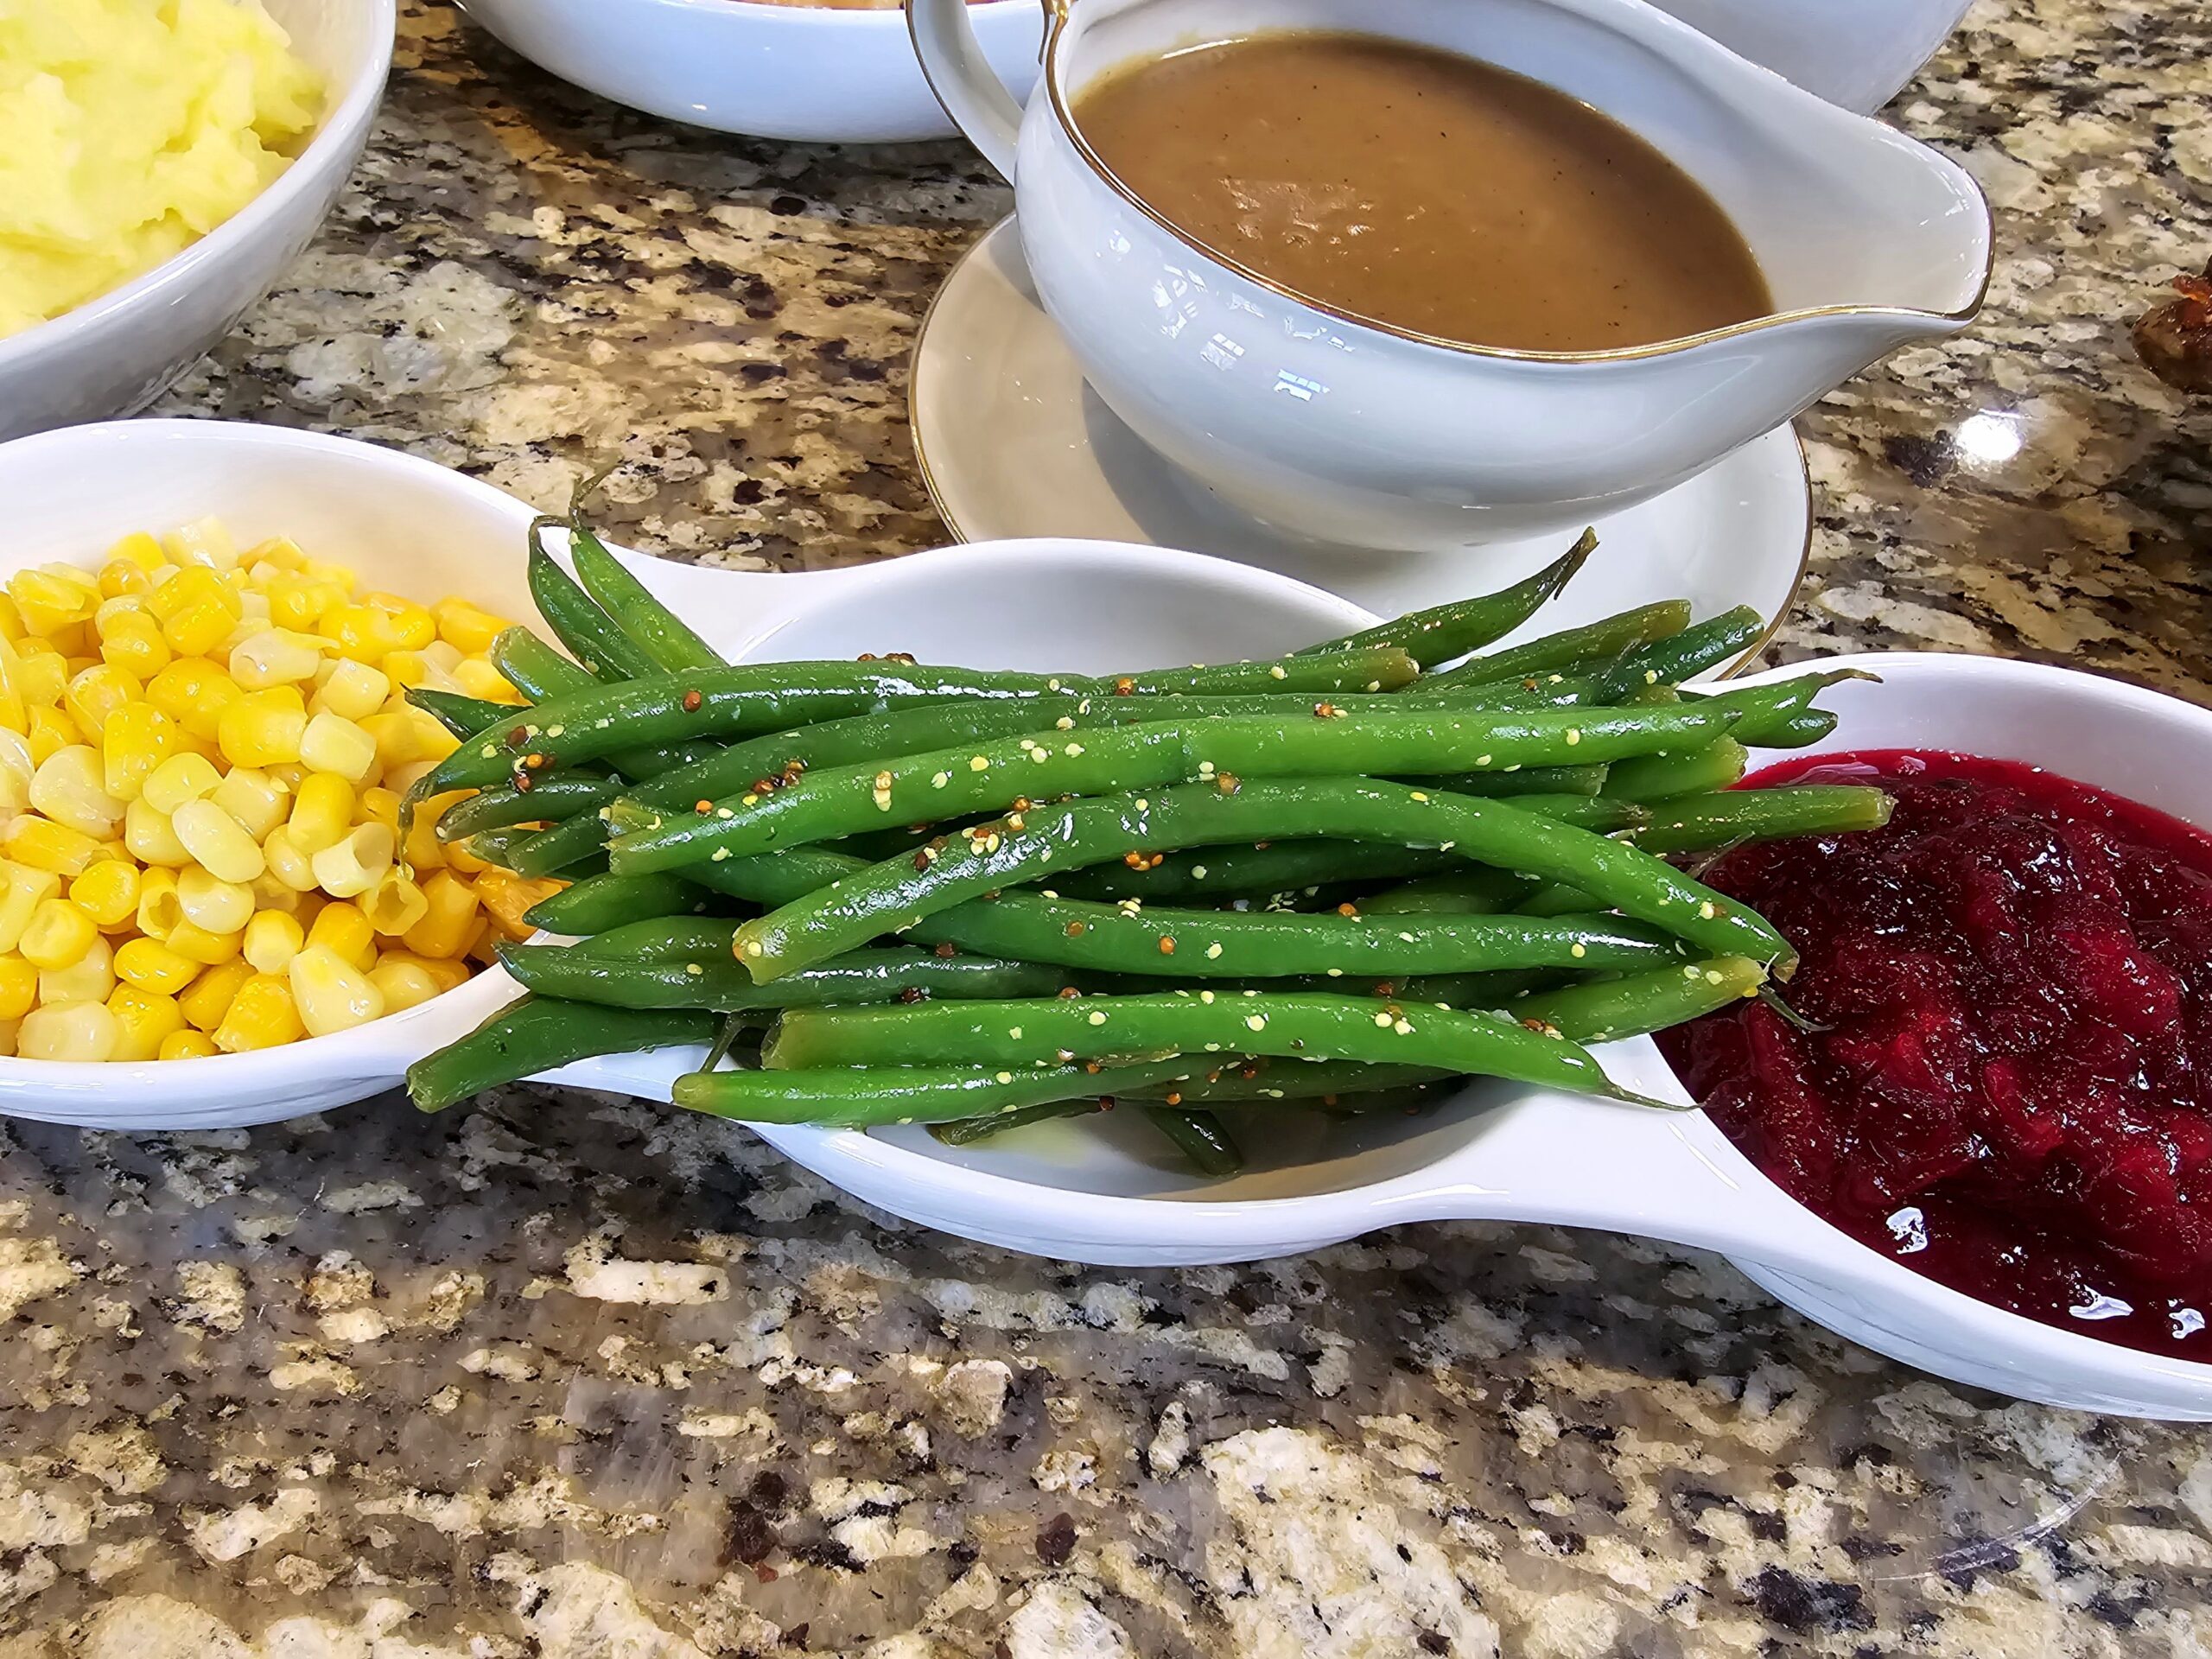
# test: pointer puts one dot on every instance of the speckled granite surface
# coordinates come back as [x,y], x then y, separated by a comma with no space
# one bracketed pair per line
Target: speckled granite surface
[563,1378]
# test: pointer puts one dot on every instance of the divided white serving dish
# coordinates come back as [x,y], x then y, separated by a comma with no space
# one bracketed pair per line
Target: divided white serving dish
[1093,1191]
[119,353]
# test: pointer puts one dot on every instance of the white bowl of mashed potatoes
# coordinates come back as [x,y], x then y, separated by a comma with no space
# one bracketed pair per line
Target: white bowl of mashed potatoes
[160,167]
[810,71]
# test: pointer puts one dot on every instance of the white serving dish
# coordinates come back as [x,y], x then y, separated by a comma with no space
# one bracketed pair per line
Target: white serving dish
[809,74]
[1858,53]
[117,354]
[1343,429]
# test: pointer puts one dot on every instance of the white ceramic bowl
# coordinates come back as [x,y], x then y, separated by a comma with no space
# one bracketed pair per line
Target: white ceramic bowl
[811,73]
[1099,1191]
[115,354]
[1858,53]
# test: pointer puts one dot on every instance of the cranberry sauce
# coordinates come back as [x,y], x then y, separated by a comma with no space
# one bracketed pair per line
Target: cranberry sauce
[2010,1086]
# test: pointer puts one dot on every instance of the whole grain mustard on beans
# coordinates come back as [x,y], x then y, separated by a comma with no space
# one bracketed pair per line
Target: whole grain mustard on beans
[203,750]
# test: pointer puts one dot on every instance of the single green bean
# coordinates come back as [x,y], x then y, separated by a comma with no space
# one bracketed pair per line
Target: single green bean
[967,1131]
[534,668]
[1763,711]
[716,981]
[462,717]
[1594,642]
[1655,776]
[1277,867]
[1699,823]
[1444,631]
[895,894]
[550,795]
[1199,1137]
[1614,1009]
[829,804]
[856,1098]
[537,1034]
[663,635]
[1051,1030]
[1467,891]
[1672,660]
[594,637]
[601,902]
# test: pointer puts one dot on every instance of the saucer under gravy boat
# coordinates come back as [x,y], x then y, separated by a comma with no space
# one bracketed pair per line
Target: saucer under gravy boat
[1346,430]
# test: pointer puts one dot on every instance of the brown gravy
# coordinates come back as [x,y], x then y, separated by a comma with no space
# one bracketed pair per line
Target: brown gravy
[1425,190]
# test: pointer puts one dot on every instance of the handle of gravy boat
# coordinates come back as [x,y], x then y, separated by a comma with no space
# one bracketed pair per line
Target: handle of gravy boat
[961,75]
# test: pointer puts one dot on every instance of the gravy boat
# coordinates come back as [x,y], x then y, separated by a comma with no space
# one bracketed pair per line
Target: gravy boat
[1350,431]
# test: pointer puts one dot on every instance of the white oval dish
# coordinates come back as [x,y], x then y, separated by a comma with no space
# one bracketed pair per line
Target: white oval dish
[415,528]
[117,354]
[809,74]
[1096,1191]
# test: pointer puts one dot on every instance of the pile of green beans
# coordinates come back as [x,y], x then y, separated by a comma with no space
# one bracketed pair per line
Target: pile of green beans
[1341,879]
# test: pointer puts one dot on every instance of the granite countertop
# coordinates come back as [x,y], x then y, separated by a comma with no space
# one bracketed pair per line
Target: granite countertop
[563,1376]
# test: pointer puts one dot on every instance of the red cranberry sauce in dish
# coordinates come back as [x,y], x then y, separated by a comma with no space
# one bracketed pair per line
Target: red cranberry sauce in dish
[2007,1082]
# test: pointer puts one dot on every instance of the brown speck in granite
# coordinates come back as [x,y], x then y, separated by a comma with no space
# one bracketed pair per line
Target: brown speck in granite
[521,1379]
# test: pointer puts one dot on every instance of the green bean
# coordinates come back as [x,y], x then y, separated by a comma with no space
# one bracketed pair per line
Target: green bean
[1199,1137]
[1444,631]
[1799,730]
[1594,642]
[1762,711]
[746,698]
[1655,776]
[1699,823]
[1617,1008]
[537,1034]
[663,635]
[551,795]
[595,638]
[716,981]
[1529,780]
[601,902]
[1259,1078]
[1051,1030]
[954,783]
[1468,891]
[1279,867]
[462,717]
[967,1131]
[1670,661]
[1552,898]
[854,1098]
[895,894]
[492,845]
[533,668]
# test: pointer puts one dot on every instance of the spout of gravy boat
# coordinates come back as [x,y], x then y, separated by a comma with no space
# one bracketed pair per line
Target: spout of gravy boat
[1347,430]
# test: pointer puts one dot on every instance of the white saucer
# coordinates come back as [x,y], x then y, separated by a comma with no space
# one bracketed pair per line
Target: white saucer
[1012,443]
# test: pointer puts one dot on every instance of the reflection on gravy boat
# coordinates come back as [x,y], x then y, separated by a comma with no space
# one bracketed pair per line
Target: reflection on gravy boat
[1337,423]
[1425,190]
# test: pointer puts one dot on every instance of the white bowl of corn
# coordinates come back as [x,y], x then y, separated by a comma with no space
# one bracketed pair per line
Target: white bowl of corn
[206,632]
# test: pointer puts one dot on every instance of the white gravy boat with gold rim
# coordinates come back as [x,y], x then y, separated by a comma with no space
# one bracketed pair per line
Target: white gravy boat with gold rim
[1347,430]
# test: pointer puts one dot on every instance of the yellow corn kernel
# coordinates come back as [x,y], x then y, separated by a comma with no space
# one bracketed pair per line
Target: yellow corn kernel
[78,1032]
[96,692]
[51,731]
[442,656]
[352,865]
[395,903]
[139,549]
[282,551]
[342,930]
[332,994]
[138,740]
[322,811]
[380,806]
[274,656]
[187,1045]
[401,778]
[204,542]
[18,986]
[146,1020]
[407,670]
[254,798]
[398,739]
[413,627]
[216,906]
[465,628]
[132,644]
[108,892]
[58,934]
[298,602]
[45,845]
[197,610]
[262,727]
[261,1015]
[284,860]
[444,973]
[152,966]
[451,919]
[217,842]
[334,744]
[152,836]
[477,678]
[193,692]
[49,601]
[24,888]
[180,778]
[202,945]
[506,896]
[271,894]
[11,619]
[360,632]
[461,860]
[70,788]
[89,978]
[272,939]
[159,913]
[120,578]
[353,690]
[404,984]
[208,998]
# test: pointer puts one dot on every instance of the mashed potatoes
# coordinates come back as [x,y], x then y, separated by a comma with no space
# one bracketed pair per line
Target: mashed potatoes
[128,130]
